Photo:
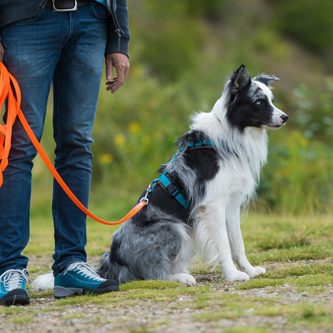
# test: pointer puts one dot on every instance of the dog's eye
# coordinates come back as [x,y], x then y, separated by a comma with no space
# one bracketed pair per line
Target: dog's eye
[259,102]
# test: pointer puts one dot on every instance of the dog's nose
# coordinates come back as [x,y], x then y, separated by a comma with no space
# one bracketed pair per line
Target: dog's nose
[284,117]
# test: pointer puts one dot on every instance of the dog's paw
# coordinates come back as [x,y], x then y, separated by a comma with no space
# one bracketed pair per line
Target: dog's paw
[255,271]
[184,278]
[236,276]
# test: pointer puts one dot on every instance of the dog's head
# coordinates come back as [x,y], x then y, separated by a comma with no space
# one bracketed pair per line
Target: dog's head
[250,101]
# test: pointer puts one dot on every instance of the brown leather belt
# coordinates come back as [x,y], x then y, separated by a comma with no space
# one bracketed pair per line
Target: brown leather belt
[66,5]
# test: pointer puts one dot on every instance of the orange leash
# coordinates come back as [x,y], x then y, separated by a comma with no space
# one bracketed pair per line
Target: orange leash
[10,90]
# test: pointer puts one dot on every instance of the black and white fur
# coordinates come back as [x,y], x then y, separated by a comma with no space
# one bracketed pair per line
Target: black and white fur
[157,244]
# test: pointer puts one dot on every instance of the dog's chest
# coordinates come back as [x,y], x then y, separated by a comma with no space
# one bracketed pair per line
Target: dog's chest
[234,181]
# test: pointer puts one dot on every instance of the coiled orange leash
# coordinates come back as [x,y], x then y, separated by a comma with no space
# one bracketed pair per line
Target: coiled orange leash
[10,91]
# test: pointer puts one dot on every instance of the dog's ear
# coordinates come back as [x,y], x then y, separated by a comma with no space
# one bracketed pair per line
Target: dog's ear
[266,79]
[239,80]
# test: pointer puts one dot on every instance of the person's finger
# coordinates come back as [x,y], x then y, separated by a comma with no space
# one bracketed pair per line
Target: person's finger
[112,87]
[109,68]
[115,85]
[121,65]
[120,73]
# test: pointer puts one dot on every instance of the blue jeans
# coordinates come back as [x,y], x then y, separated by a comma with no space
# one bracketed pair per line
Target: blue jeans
[66,49]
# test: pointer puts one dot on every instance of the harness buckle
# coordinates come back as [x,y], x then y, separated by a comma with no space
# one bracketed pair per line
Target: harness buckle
[59,9]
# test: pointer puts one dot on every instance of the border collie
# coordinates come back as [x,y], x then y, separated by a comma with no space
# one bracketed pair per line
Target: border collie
[194,206]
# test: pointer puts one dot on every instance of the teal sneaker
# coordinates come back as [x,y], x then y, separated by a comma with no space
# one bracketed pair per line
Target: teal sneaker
[80,278]
[13,290]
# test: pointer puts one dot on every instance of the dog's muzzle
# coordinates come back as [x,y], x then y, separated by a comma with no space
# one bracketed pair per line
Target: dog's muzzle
[279,118]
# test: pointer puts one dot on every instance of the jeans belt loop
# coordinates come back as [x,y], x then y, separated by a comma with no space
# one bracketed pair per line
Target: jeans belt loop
[56,9]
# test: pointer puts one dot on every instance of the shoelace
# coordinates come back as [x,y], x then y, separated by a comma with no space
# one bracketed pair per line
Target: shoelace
[13,278]
[85,270]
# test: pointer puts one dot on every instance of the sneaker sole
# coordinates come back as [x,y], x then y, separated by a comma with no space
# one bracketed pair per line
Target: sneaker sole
[62,292]
[15,297]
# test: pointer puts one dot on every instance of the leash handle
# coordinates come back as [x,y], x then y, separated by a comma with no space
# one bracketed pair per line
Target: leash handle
[8,83]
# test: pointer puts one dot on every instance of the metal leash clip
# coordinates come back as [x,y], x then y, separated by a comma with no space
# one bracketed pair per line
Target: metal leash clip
[59,9]
[148,191]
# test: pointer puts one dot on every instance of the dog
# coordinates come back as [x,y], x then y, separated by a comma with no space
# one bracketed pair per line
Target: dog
[194,206]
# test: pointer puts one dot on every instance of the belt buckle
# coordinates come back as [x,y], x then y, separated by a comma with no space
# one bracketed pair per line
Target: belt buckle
[56,9]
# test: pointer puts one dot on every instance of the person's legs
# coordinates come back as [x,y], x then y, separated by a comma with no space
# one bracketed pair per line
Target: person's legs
[31,53]
[76,86]
[32,49]
[68,47]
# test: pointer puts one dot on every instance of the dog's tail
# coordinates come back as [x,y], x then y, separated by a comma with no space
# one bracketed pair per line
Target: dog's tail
[108,269]
[43,282]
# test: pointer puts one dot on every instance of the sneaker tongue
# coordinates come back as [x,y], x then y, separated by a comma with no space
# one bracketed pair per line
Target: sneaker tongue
[73,266]
[80,266]
[85,270]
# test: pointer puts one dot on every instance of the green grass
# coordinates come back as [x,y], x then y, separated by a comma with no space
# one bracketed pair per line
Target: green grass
[296,251]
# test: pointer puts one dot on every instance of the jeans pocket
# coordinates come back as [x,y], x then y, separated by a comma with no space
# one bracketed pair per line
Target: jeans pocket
[100,11]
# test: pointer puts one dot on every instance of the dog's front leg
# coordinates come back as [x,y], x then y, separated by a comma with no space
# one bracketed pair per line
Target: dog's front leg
[237,243]
[215,223]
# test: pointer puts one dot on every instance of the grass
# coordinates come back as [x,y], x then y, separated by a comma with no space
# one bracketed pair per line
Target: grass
[294,294]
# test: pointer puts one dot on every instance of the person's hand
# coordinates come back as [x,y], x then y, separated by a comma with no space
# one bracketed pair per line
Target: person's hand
[2,52]
[120,62]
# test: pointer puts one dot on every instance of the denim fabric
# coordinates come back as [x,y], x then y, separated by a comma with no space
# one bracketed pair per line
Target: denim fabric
[68,50]
[103,2]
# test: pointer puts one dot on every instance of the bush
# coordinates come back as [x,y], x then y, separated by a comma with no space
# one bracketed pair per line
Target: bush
[212,10]
[314,114]
[171,40]
[139,132]
[298,177]
[309,22]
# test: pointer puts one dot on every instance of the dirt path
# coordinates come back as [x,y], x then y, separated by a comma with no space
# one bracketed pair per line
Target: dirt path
[212,306]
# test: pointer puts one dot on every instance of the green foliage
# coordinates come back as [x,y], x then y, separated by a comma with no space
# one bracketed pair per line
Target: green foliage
[213,9]
[181,54]
[138,135]
[314,111]
[299,174]
[309,22]
[172,47]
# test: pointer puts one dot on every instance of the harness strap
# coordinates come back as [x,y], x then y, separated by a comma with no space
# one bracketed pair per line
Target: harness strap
[173,190]
[201,144]
[165,178]
[10,90]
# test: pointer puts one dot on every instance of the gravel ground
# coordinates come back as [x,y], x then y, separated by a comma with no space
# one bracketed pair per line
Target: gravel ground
[45,314]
